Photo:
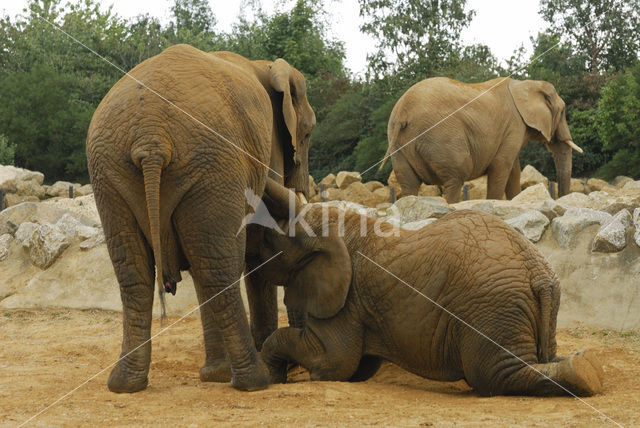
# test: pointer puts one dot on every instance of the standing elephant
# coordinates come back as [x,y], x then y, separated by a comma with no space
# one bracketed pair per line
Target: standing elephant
[445,132]
[172,150]
[491,280]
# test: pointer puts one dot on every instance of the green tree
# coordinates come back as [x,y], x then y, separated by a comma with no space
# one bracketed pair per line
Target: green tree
[414,38]
[193,22]
[7,151]
[605,32]
[618,120]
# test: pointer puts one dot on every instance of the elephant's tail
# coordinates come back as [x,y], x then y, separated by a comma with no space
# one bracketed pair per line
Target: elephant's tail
[152,171]
[396,124]
[547,291]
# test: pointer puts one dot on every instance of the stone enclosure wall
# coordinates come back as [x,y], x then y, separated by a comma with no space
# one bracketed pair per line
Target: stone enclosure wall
[52,251]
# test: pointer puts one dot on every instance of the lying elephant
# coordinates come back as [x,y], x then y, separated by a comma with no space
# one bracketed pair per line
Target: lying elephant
[496,289]
[446,132]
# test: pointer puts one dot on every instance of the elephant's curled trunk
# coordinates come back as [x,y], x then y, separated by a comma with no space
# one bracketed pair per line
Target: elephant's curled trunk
[151,171]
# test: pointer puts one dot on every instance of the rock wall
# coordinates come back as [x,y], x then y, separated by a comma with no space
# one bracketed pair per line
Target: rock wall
[52,253]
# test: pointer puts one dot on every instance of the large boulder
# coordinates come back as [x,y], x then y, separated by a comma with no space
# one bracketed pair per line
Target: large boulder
[416,225]
[612,236]
[621,180]
[46,244]
[531,224]
[345,178]
[352,207]
[358,192]
[330,194]
[85,190]
[578,186]
[61,189]
[429,190]
[597,184]
[636,224]
[30,188]
[10,176]
[529,176]
[573,221]
[476,189]
[13,199]
[392,181]
[535,193]
[414,208]
[5,240]
[381,195]
[575,200]
[372,186]
[329,181]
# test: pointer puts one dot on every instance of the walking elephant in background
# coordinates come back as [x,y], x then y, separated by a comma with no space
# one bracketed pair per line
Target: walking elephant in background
[172,150]
[445,132]
[466,297]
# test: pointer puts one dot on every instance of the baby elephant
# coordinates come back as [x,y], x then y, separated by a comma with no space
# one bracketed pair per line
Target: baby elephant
[466,297]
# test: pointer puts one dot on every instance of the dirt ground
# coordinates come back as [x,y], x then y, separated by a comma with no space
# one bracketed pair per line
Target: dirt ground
[46,354]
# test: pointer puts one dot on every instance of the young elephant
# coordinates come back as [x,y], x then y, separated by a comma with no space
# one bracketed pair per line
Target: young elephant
[370,298]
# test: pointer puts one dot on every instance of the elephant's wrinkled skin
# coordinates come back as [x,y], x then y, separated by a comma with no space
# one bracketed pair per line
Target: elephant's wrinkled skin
[446,132]
[469,262]
[170,170]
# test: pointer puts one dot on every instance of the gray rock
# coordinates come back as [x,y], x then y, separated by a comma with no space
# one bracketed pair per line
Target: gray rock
[575,200]
[621,180]
[415,225]
[537,192]
[46,244]
[30,188]
[87,189]
[73,229]
[531,224]
[531,176]
[328,182]
[61,188]
[565,228]
[93,241]
[612,236]
[351,207]
[414,208]
[636,224]
[5,240]
[345,178]
[24,233]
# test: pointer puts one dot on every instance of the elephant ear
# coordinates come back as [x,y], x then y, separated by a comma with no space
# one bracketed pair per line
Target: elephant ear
[534,105]
[281,81]
[321,279]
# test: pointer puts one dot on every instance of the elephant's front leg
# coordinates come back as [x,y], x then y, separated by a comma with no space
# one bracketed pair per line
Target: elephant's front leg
[330,359]
[513,183]
[263,306]
[133,263]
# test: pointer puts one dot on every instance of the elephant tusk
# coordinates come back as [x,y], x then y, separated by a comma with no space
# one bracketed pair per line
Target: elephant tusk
[574,146]
[302,198]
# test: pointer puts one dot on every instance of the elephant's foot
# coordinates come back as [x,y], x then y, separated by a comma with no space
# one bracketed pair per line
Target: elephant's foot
[253,379]
[216,372]
[582,373]
[122,380]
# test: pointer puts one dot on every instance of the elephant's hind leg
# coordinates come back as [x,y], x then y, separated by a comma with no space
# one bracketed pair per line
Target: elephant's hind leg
[407,178]
[134,267]
[207,224]
[581,375]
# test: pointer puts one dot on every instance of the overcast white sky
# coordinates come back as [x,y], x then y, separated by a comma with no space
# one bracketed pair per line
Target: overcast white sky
[503,25]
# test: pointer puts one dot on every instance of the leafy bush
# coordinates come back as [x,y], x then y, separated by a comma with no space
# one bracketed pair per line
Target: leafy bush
[7,151]
[618,119]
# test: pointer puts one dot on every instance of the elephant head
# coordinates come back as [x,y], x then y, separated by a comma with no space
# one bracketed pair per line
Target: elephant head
[293,117]
[542,109]
[292,109]
[314,266]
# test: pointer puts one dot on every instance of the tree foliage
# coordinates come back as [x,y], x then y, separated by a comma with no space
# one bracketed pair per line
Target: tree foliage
[50,84]
[605,32]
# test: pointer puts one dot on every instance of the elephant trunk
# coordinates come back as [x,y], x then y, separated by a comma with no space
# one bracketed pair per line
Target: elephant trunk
[562,159]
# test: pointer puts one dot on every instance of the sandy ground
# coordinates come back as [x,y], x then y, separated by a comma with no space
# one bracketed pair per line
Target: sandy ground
[46,354]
